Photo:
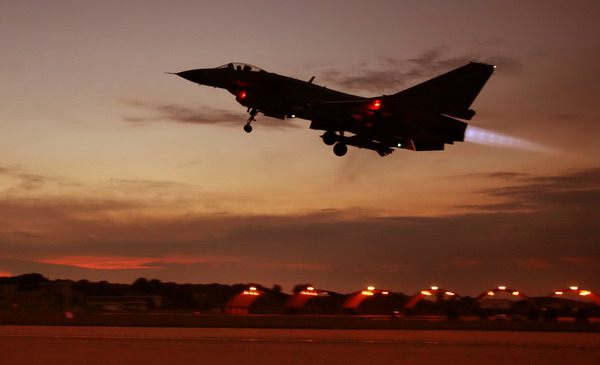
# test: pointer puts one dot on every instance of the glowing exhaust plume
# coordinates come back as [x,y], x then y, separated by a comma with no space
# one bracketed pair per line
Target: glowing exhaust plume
[483,136]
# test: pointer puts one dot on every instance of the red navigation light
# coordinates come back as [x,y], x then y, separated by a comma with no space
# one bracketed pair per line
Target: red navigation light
[375,104]
[242,95]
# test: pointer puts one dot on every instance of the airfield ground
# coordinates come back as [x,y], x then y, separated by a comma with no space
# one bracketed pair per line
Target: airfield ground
[167,345]
[190,319]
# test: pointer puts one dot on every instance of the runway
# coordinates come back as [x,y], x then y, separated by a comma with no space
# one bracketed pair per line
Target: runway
[137,345]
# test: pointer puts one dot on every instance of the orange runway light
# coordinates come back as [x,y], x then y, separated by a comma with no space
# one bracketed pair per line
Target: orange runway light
[450,293]
[502,287]
[558,292]
[585,292]
[490,293]
[515,293]
[251,291]
[426,292]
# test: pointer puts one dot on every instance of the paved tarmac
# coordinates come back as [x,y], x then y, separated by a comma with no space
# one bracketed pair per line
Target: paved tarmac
[151,345]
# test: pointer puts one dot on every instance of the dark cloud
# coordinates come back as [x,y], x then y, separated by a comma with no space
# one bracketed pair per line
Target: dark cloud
[146,184]
[203,115]
[505,175]
[25,180]
[575,191]
[537,249]
[391,74]
[26,234]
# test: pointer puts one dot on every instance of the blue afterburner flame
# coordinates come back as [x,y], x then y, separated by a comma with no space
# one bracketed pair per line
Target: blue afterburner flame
[482,136]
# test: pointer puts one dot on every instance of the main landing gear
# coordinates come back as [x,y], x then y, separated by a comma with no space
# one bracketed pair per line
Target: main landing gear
[330,138]
[340,149]
[253,112]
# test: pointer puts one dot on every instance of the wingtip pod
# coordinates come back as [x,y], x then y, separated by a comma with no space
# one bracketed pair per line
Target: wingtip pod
[484,66]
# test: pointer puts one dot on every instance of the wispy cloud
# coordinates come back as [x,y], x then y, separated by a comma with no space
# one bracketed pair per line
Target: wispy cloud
[581,261]
[466,263]
[554,226]
[576,191]
[24,180]
[203,115]
[146,184]
[104,262]
[533,263]
[392,74]
[294,266]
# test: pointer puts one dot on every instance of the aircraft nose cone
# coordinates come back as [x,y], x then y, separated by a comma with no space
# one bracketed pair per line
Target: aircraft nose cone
[192,75]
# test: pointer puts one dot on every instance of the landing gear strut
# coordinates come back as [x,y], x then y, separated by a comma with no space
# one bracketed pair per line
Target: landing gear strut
[253,112]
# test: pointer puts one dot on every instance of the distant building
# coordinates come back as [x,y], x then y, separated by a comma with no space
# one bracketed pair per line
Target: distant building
[123,303]
[8,293]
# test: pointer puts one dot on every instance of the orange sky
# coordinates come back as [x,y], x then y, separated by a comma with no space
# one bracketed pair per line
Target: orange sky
[100,177]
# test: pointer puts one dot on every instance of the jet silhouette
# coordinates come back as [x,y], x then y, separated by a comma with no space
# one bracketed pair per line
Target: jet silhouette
[420,118]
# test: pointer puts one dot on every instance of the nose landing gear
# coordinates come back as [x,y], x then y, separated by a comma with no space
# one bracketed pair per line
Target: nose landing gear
[253,112]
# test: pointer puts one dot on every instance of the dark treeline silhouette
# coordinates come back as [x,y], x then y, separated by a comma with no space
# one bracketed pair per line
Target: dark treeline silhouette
[34,291]
[26,282]
[173,295]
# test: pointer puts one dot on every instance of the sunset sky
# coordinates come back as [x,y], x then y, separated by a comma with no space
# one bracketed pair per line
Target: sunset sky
[112,170]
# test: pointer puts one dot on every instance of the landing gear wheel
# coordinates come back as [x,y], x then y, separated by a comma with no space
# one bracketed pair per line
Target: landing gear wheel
[340,149]
[248,128]
[329,138]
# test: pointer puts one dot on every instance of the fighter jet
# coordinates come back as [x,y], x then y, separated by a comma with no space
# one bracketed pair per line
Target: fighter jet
[420,118]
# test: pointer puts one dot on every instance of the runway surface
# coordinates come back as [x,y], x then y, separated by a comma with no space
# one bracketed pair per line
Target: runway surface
[151,345]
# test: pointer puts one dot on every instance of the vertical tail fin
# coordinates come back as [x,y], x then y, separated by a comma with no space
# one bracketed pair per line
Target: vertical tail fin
[451,93]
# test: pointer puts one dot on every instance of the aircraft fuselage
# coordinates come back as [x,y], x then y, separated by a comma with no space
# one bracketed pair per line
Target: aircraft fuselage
[419,118]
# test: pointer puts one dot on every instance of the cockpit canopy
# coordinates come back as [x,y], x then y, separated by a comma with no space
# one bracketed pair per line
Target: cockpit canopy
[241,67]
